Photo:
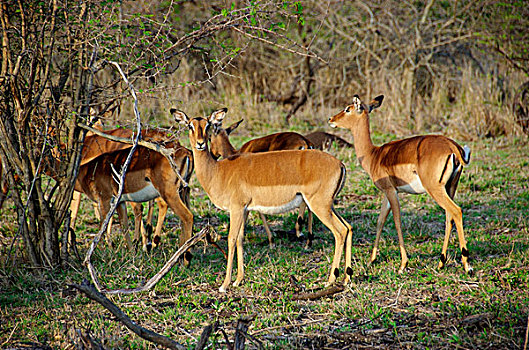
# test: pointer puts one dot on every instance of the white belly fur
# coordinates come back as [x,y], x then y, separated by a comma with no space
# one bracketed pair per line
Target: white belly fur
[145,194]
[293,204]
[414,187]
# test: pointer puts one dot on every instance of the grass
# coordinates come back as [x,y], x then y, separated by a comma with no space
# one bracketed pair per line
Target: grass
[422,308]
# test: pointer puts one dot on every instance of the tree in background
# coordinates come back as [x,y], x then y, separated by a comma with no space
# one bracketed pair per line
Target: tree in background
[55,74]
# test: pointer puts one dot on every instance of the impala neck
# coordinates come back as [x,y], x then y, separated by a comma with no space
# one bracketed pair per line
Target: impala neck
[205,168]
[362,142]
[227,148]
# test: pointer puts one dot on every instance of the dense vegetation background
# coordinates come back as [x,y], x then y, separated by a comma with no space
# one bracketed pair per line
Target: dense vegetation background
[451,67]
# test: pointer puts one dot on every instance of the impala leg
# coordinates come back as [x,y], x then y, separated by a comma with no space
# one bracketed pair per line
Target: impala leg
[395,208]
[310,238]
[97,211]
[463,244]
[236,221]
[101,213]
[137,210]
[448,230]
[148,219]
[299,220]
[124,224]
[139,228]
[186,217]
[382,217]
[442,198]
[267,229]
[74,208]
[240,254]
[348,252]
[162,213]
[340,229]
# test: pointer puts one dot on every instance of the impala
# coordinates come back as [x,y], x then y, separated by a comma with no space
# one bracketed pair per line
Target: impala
[93,147]
[323,140]
[428,163]
[270,182]
[149,176]
[221,146]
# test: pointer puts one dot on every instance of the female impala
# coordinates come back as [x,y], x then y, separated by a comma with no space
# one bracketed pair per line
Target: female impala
[429,163]
[149,176]
[281,141]
[270,182]
[96,146]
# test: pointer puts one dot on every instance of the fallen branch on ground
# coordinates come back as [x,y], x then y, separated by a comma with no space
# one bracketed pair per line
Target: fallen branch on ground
[144,333]
[241,333]
[335,288]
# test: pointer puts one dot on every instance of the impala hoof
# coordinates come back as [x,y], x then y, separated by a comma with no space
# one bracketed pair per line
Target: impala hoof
[349,271]
[147,248]
[222,289]
[188,256]
[373,258]
[237,283]
[308,244]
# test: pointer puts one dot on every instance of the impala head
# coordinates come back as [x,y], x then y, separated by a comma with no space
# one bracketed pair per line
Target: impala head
[219,138]
[199,127]
[354,112]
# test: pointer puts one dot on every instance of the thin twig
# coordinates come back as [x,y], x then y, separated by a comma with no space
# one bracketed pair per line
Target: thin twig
[301,324]
[114,204]
[16,325]
[396,299]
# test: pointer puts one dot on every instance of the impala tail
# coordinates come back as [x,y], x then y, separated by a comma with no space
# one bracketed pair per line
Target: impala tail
[341,181]
[466,154]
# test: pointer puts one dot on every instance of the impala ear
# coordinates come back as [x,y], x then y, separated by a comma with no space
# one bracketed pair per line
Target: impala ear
[377,101]
[233,126]
[179,116]
[218,116]
[357,104]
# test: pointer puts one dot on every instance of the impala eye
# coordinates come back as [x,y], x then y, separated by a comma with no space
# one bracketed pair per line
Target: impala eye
[191,127]
[347,109]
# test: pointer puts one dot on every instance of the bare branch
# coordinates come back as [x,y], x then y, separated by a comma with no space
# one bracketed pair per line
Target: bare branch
[142,332]
[114,205]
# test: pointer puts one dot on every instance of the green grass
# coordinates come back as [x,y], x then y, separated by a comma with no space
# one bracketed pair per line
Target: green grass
[422,308]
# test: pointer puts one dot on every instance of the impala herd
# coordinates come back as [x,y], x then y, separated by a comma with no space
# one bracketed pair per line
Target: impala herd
[271,175]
